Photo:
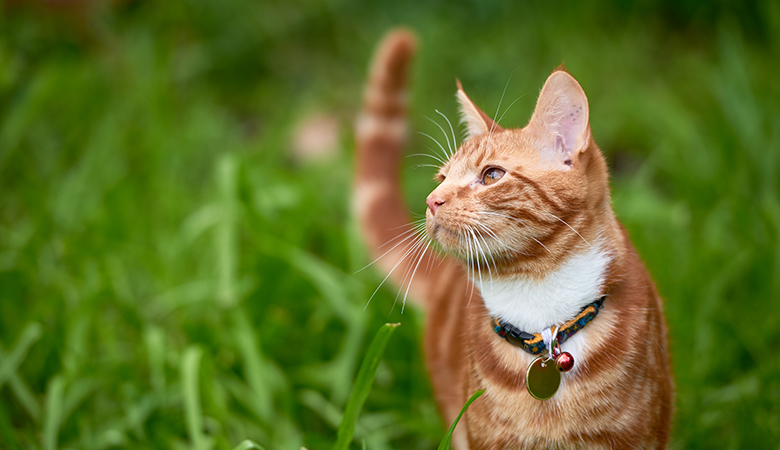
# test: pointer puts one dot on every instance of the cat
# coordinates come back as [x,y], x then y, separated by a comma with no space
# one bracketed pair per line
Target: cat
[530,242]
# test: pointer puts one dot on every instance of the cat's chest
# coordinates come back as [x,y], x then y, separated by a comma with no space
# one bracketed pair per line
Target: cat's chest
[535,304]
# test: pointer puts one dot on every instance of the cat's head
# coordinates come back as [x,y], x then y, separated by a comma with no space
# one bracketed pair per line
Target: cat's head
[509,195]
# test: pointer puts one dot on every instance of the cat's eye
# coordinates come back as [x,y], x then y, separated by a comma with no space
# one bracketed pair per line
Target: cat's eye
[439,177]
[491,175]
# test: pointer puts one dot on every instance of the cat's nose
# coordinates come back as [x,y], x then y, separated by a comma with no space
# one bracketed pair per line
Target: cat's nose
[434,203]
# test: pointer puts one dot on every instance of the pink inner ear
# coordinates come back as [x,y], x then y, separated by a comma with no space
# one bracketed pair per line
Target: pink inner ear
[561,149]
[571,127]
[560,120]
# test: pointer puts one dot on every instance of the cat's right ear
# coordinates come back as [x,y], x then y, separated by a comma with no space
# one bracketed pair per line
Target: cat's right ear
[560,120]
[477,122]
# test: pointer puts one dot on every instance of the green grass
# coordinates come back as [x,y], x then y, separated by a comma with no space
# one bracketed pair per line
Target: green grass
[171,276]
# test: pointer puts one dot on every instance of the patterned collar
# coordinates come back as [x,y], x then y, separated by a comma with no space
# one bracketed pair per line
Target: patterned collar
[533,342]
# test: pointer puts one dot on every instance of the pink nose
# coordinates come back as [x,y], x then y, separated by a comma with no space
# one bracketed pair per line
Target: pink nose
[434,203]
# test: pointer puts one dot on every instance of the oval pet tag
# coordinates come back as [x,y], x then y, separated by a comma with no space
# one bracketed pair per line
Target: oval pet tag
[542,379]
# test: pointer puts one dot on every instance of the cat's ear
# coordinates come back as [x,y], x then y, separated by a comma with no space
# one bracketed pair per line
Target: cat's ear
[477,122]
[560,120]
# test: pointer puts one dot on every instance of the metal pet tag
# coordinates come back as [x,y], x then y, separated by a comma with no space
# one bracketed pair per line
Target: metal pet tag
[542,378]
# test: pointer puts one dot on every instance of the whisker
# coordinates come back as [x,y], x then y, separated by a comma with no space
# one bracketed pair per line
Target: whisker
[485,256]
[544,246]
[506,216]
[419,260]
[488,230]
[493,235]
[437,143]
[413,226]
[447,138]
[477,252]
[508,108]
[452,130]
[499,241]
[572,229]
[516,220]
[428,155]
[469,272]
[405,255]
[495,267]
[443,161]
[498,108]
[409,234]
[492,259]
[414,252]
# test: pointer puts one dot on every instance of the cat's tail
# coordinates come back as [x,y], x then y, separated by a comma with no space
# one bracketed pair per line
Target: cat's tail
[381,134]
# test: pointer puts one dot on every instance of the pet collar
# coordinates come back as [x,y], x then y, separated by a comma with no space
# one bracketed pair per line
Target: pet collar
[534,343]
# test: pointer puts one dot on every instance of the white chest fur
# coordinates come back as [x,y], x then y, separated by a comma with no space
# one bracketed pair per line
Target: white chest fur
[533,305]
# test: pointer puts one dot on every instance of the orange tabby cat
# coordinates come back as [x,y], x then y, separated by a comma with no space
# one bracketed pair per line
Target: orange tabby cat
[525,215]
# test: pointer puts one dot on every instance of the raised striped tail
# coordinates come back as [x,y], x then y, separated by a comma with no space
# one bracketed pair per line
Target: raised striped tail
[381,135]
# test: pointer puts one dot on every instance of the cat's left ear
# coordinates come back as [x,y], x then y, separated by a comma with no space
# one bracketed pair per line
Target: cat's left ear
[560,120]
[477,122]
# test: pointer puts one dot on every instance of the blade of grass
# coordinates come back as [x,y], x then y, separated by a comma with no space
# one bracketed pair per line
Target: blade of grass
[190,362]
[154,338]
[25,396]
[445,443]
[227,252]
[11,361]
[53,412]
[365,377]
[255,371]
[9,364]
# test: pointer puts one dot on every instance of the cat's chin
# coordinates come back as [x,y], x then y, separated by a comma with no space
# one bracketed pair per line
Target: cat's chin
[445,239]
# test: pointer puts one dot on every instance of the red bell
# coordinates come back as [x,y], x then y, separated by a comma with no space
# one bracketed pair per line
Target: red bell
[564,361]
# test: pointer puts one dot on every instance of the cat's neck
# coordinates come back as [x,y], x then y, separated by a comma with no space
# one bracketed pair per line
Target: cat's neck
[533,304]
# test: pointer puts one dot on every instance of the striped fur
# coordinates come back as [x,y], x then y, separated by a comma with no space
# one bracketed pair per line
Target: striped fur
[538,243]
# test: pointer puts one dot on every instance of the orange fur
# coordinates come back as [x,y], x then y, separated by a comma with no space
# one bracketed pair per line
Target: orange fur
[550,207]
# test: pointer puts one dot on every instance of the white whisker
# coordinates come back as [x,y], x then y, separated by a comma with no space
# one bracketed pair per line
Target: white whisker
[495,267]
[572,229]
[452,130]
[469,272]
[508,108]
[544,246]
[414,226]
[506,216]
[409,235]
[415,254]
[441,161]
[516,220]
[477,252]
[419,260]
[446,138]
[498,108]
[400,260]
[486,254]
[437,143]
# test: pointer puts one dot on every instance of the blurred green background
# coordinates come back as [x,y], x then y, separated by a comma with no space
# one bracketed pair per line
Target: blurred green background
[176,272]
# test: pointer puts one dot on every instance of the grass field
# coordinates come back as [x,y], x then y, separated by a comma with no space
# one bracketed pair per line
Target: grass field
[173,276]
